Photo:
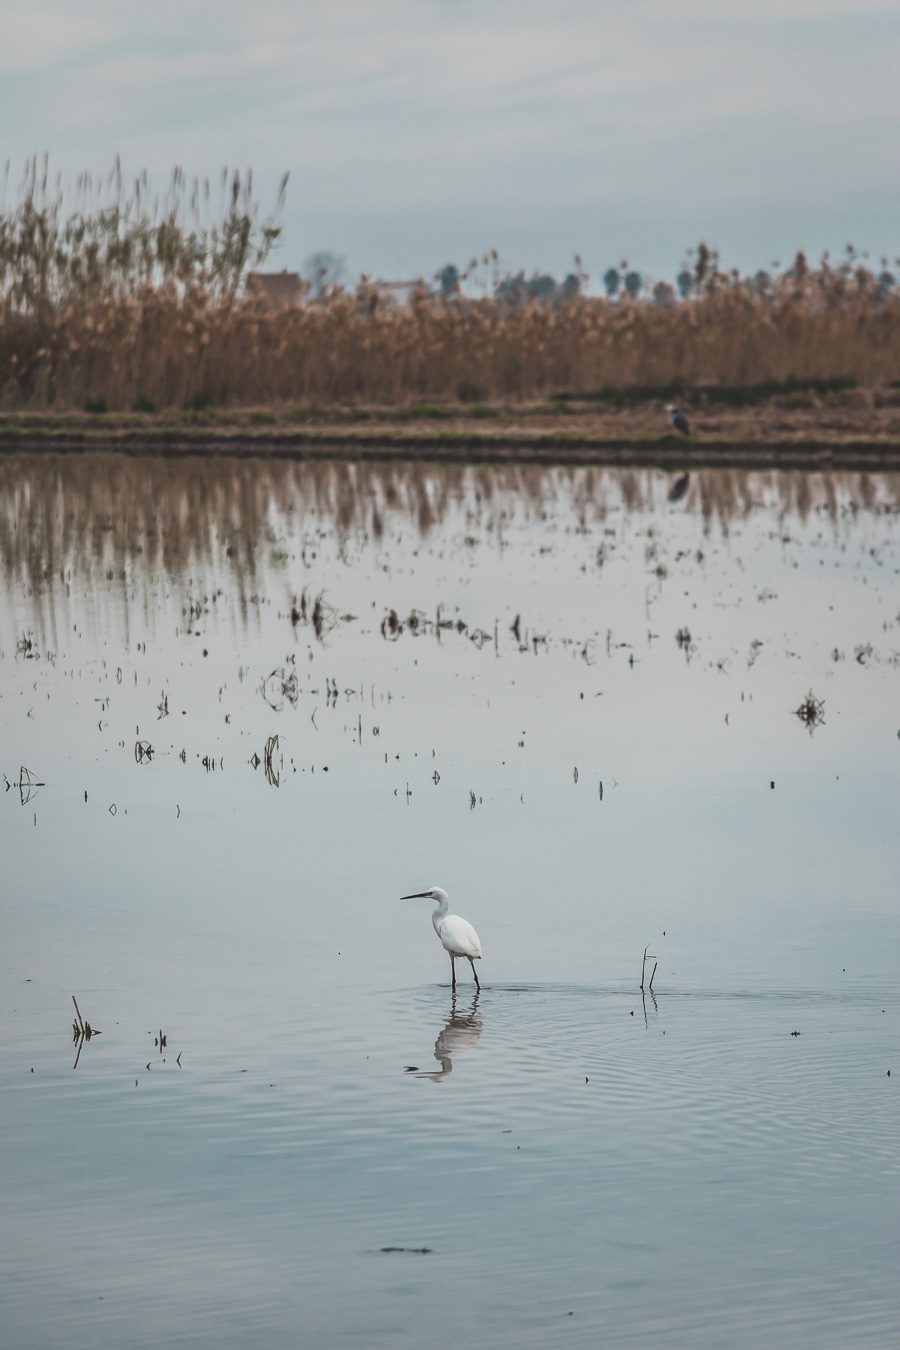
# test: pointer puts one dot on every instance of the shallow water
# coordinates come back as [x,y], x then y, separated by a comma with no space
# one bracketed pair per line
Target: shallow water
[571,703]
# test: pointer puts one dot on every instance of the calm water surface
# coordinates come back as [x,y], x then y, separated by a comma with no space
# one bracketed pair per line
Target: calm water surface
[245,707]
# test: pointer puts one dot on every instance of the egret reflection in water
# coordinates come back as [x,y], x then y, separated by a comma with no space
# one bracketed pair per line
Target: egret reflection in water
[461,1030]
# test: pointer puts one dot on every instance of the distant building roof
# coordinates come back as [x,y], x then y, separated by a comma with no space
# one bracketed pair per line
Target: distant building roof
[279,289]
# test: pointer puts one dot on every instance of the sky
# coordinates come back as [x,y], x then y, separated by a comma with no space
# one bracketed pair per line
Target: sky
[421,132]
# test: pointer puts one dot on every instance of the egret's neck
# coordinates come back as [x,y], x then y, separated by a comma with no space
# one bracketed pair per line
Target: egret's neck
[440,914]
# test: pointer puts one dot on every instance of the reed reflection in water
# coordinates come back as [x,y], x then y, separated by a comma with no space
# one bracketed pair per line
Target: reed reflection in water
[123,523]
[94,513]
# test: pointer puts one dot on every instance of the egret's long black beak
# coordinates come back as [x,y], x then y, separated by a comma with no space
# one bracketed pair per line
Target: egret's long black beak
[419,895]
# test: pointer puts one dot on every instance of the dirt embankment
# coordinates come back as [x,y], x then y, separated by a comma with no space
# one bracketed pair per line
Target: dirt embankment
[857,429]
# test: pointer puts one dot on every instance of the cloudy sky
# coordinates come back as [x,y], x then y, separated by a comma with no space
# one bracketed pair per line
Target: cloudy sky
[418,132]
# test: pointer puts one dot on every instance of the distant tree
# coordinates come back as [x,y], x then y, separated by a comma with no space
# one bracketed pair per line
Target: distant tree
[886,283]
[663,293]
[633,283]
[570,288]
[612,280]
[685,283]
[517,290]
[542,287]
[324,269]
[510,290]
[760,282]
[448,280]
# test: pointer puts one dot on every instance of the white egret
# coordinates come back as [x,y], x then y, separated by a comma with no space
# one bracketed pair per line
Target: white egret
[457,935]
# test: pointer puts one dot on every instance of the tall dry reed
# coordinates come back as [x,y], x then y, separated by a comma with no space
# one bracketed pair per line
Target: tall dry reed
[140,302]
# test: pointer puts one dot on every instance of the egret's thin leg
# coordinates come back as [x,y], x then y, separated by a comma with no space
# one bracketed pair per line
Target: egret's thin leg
[453,969]
[474,971]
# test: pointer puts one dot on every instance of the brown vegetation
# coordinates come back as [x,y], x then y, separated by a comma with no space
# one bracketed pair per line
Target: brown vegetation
[142,306]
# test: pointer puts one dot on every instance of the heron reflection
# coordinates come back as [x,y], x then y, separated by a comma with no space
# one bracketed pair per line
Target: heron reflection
[462,1029]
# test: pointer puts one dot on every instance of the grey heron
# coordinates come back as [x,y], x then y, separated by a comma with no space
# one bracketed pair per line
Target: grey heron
[678,419]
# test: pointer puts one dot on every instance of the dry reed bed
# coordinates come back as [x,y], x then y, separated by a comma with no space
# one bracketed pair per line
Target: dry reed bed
[130,300]
[170,348]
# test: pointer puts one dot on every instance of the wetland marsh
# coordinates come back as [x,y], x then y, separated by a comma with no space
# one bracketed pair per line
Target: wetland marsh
[246,706]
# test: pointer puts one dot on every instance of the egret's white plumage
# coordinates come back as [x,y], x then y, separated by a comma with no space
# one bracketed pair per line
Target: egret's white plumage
[457,935]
